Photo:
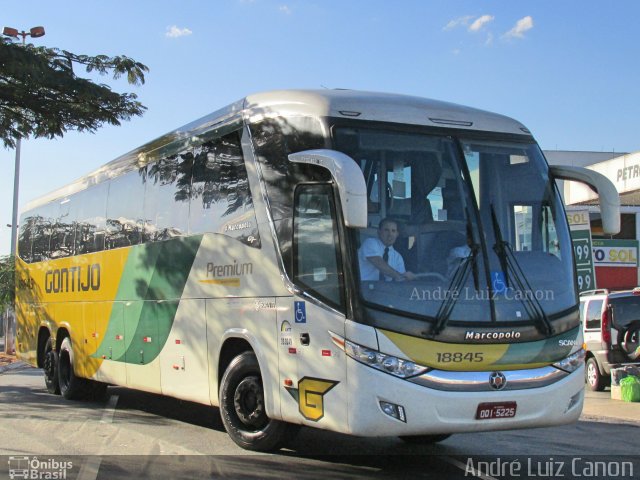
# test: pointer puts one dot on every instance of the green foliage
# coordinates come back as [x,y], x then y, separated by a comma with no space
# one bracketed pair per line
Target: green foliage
[7,282]
[41,96]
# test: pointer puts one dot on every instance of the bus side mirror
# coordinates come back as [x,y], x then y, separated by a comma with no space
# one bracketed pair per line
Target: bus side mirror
[349,179]
[609,198]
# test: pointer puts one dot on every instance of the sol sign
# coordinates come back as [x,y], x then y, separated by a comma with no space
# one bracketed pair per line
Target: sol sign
[615,253]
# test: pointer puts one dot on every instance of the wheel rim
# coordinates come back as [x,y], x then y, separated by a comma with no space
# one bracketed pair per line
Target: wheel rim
[49,366]
[592,375]
[248,403]
[65,370]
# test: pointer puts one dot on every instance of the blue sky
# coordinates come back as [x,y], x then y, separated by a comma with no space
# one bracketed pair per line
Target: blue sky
[567,69]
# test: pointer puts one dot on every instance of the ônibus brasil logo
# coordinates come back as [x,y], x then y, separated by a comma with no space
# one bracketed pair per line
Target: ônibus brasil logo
[34,468]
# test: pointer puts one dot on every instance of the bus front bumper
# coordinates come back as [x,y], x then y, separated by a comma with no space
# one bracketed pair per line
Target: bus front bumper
[427,411]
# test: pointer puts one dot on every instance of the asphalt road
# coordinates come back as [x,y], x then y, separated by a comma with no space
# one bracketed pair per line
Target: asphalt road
[139,435]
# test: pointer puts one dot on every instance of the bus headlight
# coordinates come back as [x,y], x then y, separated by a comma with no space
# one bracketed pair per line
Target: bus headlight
[383,362]
[572,362]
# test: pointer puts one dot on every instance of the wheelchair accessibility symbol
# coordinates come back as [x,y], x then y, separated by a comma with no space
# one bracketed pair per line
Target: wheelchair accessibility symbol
[300,311]
[498,283]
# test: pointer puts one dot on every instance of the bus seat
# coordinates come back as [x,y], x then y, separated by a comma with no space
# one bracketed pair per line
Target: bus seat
[433,249]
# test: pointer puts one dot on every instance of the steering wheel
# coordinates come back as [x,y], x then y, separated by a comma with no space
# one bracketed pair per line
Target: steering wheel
[440,277]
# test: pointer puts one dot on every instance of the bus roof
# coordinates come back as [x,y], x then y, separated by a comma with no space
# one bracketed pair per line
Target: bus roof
[383,107]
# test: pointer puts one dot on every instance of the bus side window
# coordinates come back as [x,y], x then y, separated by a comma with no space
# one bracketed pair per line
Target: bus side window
[91,222]
[26,236]
[317,266]
[124,211]
[166,197]
[220,195]
[62,237]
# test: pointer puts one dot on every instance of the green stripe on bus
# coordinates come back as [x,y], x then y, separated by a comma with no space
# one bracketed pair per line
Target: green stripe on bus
[150,290]
[545,351]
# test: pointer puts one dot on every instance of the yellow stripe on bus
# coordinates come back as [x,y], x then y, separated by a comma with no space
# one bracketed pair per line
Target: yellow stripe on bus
[450,356]
[230,282]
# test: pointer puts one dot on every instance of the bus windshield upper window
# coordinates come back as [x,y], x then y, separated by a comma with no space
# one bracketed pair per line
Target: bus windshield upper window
[444,205]
[416,182]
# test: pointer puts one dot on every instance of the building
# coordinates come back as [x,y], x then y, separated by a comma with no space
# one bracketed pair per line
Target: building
[615,257]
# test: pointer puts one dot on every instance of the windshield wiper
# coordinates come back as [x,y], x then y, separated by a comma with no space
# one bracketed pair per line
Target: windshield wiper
[513,271]
[459,279]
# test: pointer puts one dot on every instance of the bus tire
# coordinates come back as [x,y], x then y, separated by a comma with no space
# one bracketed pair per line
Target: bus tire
[424,439]
[71,386]
[50,368]
[595,381]
[242,407]
[97,390]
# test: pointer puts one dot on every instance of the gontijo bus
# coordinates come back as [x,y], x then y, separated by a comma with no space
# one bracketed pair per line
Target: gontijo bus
[219,264]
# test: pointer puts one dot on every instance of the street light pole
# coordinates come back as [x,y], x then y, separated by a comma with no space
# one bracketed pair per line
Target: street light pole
[16,186]
[9,333]
[35,32]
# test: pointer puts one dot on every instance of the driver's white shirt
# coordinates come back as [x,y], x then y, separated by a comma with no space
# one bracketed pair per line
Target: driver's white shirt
[373,247]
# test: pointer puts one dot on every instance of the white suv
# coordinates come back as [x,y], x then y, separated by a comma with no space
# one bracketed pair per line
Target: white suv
[611,328]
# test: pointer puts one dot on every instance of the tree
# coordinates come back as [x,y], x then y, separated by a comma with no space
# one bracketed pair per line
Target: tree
[41,96]
[7,282]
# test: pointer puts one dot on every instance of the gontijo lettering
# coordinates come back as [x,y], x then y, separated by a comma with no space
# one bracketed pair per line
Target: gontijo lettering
[73,279]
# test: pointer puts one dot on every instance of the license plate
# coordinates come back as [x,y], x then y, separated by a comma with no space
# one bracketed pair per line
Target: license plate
[487,411]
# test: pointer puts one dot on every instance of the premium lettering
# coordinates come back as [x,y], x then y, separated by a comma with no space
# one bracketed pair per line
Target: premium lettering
[73,279]
[230,270]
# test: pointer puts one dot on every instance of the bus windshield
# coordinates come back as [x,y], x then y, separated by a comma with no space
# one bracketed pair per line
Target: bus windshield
[468,230]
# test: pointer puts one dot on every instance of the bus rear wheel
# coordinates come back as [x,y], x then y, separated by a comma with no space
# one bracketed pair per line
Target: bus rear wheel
[71,386]
[424,439]
[50,368]
[242,407]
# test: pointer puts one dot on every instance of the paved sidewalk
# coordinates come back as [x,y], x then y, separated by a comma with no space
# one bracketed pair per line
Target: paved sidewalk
[5,360]
[599,406]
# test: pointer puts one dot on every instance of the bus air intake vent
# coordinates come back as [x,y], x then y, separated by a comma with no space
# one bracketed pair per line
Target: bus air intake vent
[458,123]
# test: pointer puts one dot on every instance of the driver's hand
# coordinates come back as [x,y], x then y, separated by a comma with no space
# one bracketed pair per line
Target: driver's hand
[408,276]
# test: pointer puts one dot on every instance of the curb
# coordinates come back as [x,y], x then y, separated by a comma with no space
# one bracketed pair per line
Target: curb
[608,419]
[18,365]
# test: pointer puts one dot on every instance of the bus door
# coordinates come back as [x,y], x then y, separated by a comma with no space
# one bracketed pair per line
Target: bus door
[319,392]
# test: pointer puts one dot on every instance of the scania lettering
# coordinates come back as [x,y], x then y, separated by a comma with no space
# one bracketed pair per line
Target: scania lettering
[220,264]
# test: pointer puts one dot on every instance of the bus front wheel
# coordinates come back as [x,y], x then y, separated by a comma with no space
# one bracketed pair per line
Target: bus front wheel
[71,386]
[242,407]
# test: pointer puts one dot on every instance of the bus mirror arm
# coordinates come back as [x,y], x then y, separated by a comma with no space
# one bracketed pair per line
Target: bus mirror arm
[609,197]
[348,177]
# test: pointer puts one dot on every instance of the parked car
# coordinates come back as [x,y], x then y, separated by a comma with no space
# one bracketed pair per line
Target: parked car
[611,328]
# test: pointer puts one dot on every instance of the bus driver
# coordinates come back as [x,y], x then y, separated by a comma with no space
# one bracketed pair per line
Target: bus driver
[379,260]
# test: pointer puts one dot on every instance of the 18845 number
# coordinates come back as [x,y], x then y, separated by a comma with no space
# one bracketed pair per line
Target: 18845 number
[459,357]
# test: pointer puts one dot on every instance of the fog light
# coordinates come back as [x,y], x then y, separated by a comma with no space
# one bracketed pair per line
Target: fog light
[393,410]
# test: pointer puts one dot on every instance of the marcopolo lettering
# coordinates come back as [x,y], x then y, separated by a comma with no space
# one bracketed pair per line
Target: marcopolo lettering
[472,335]
[73,279]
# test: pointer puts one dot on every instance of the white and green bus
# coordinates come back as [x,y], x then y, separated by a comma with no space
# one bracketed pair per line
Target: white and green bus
[224,263]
